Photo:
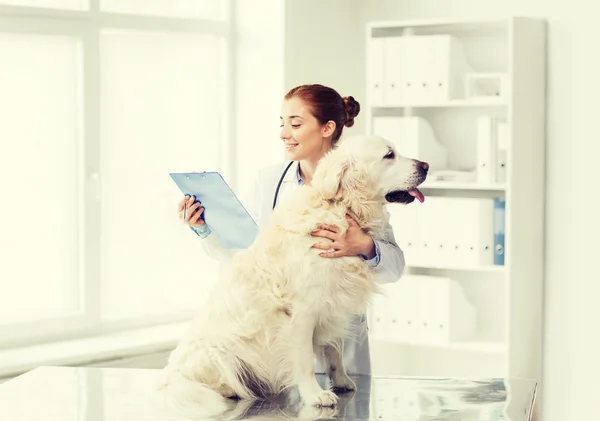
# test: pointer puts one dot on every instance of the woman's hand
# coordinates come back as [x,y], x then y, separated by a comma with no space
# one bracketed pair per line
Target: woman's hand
[354,242]
[193,211]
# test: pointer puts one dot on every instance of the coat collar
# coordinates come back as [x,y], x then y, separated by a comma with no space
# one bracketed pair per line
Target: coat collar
[293,174]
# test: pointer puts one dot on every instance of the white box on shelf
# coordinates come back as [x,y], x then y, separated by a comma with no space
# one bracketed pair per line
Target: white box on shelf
[413,137]
[481,86]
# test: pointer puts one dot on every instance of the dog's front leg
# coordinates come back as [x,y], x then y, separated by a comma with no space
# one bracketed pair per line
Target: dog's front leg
[304,367]
[334,367]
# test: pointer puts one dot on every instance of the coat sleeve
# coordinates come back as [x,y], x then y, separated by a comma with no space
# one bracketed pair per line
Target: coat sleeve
[391,263]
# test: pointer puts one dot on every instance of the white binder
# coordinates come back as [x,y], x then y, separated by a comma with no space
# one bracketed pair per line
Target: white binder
[485,150]
[423,309]
[416,69]
[502,138]
[446,232]
[376,70]
[406,223]
[477,218]
[380,315]
[434,219]
[434,69]
[394,70]
[454,317]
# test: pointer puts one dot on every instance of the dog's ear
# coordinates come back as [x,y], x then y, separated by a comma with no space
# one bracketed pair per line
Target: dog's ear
[331,174]
[342,178]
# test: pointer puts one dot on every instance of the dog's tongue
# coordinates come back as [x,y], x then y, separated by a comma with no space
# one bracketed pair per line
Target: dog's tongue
[416,193]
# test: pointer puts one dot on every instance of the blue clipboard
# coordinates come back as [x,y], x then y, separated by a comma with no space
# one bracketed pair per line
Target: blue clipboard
[227,218]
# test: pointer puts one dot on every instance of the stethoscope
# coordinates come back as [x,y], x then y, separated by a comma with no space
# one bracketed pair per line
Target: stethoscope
[279,184]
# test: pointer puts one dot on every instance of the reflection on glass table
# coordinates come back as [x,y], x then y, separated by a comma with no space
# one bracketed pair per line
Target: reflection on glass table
[111,394]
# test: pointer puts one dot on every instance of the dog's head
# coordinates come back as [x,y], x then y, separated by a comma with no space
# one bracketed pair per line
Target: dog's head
[368,169]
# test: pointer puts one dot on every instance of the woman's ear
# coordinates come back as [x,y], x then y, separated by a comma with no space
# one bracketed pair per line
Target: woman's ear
[328,129]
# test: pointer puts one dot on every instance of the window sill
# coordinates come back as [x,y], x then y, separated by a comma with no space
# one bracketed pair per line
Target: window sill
[84,351]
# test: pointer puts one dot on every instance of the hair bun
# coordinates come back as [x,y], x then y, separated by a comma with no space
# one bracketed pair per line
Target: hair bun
[352,109]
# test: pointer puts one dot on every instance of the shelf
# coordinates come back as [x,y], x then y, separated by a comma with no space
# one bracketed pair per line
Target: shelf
[451,103]
[413,119]
[451,185]
[482,347]
[481,268]
[444,24]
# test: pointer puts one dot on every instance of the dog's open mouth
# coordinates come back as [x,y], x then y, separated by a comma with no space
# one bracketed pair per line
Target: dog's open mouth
[405,196]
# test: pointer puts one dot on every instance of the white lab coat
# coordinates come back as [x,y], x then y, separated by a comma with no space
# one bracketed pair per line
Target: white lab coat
[389,269]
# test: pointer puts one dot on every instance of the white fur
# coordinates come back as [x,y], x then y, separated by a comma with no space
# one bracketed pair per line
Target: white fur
[278,303]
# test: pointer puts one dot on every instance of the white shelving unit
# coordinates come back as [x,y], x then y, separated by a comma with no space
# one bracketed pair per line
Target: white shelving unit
[493,102]
[508,297]
[449,185]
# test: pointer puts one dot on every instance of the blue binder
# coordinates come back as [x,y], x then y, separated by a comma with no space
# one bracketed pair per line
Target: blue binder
[224,214]
[499,226]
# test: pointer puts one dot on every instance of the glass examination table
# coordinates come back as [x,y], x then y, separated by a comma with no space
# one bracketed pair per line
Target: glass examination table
[115,394]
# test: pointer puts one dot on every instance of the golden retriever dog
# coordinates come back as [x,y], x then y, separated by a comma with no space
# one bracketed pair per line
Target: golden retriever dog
[278,303]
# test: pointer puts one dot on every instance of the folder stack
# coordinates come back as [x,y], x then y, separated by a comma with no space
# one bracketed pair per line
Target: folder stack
[492,153]
[423,309]
[449,231]
[416,69]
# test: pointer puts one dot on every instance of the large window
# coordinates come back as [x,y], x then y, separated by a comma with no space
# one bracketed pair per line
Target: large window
[99,101]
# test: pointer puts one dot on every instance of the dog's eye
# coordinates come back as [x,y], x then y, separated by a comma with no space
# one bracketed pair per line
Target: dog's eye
[390,155]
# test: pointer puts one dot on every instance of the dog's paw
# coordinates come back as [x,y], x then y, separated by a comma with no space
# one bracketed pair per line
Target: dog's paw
[344,384]
[325,399]
[308,412]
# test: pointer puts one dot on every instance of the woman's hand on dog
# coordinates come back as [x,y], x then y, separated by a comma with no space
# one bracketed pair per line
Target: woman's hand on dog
[193,211]
[352,243]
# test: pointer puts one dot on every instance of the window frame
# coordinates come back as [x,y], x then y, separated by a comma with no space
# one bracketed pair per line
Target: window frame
[86,26]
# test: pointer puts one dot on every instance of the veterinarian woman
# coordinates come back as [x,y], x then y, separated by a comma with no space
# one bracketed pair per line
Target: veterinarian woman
[312,120]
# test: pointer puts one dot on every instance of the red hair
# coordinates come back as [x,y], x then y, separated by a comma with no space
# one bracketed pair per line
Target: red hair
[326,104]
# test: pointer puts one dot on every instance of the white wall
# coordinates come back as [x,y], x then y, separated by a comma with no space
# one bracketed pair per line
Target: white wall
[324,44]
[259,85]
[571,335]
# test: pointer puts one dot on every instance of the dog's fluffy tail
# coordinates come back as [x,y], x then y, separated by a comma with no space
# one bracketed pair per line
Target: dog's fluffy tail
[190,398]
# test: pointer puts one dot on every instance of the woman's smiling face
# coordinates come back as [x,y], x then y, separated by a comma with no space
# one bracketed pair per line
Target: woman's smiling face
[303,136]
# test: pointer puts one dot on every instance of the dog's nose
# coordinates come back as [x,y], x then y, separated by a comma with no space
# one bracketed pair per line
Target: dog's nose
[422,165]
